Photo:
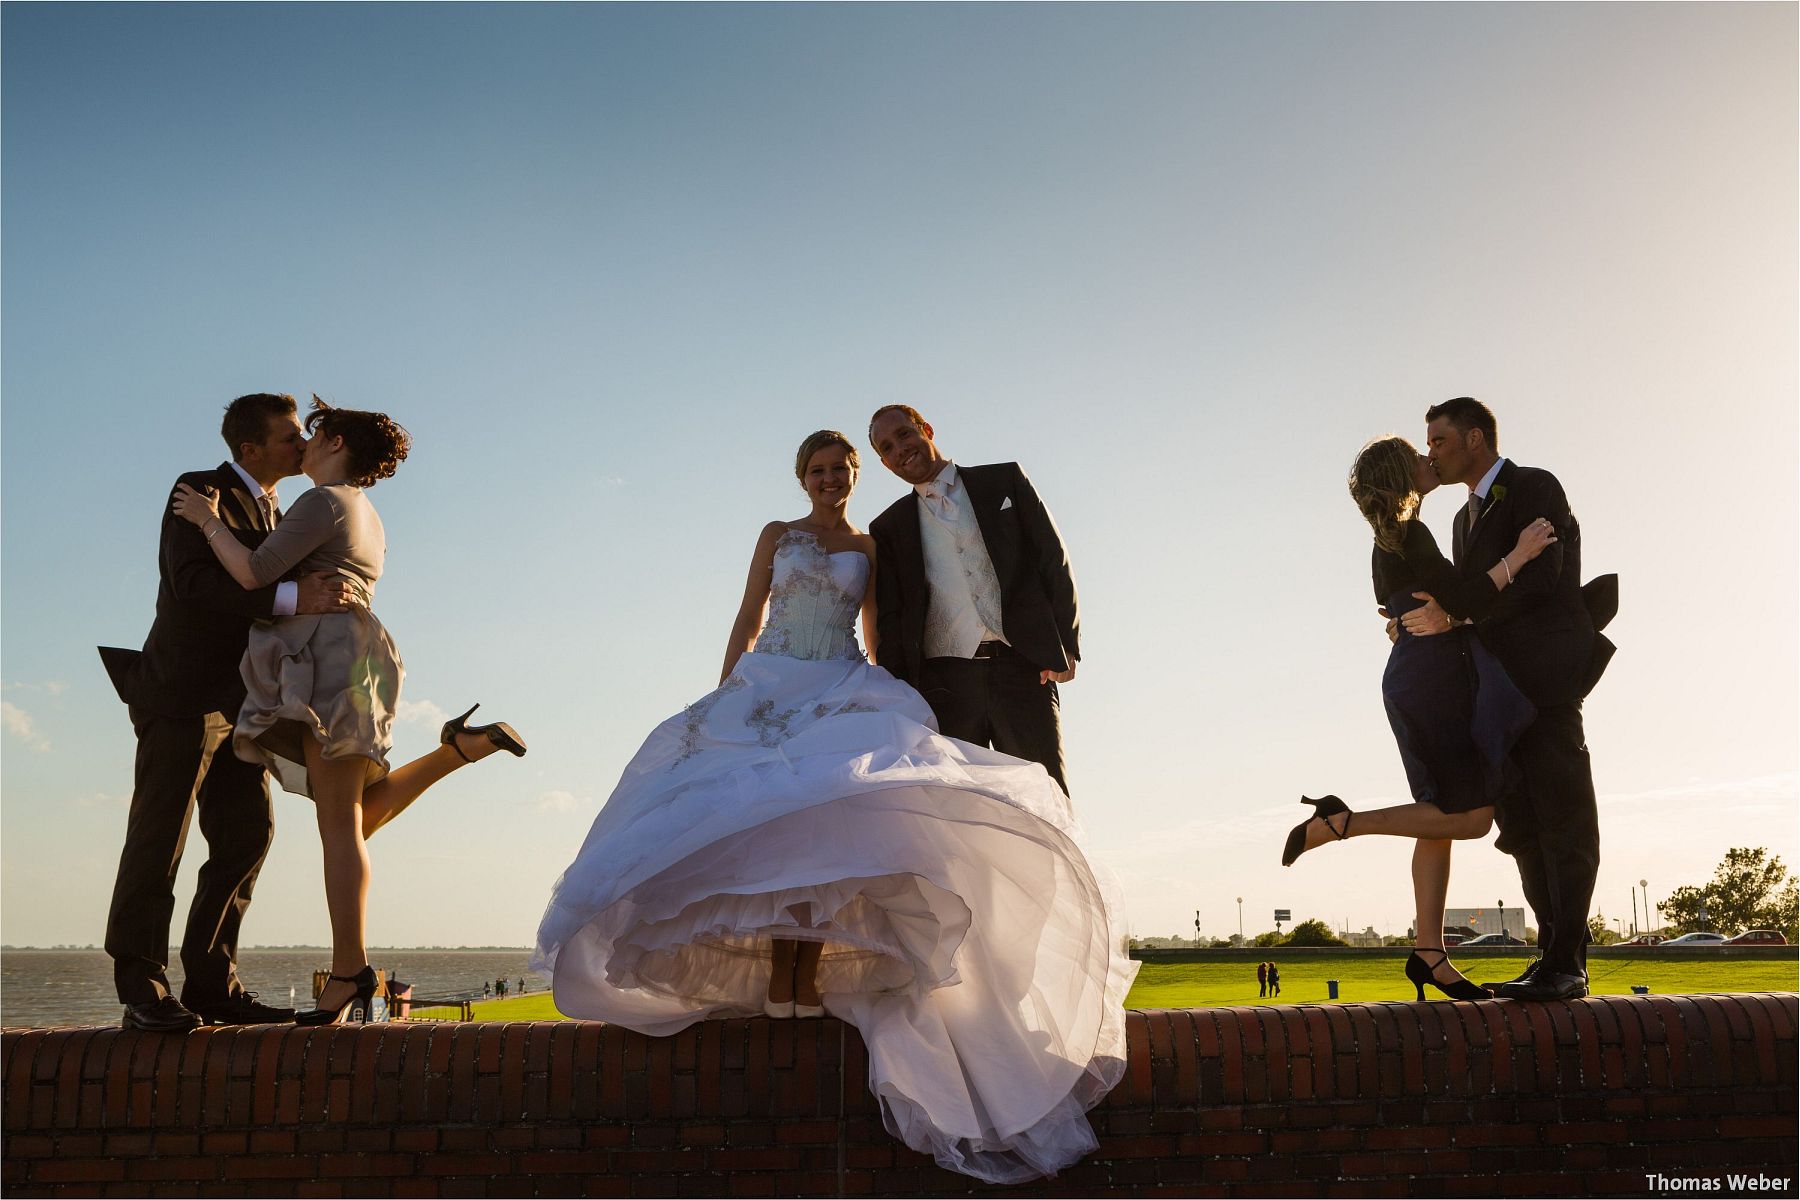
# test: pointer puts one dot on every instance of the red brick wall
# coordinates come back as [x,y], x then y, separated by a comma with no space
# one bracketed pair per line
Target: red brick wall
[1438,1098]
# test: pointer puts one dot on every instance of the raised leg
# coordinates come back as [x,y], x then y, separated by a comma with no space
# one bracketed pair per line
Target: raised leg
[387,798]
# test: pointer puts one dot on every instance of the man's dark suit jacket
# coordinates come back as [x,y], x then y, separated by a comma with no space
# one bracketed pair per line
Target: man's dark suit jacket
[1037,589]
[1539,628]
[189,664]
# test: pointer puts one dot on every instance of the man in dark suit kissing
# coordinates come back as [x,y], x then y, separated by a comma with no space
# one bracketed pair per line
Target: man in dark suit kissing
[1541,631]
[975,601]
[183,692]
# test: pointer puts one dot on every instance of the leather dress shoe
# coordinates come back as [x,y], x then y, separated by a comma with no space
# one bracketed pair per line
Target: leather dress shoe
[241,1008]
[160,1016]
[1522,977]
[1546,985]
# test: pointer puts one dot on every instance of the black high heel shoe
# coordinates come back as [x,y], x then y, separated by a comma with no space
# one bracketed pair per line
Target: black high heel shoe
[499,733]
[1419,972]
[1329,806]
[363,998]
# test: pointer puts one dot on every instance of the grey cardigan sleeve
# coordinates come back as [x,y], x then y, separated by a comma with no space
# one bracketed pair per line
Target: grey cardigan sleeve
[309,524]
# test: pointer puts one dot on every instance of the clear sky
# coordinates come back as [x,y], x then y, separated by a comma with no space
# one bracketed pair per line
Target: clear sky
[610,264]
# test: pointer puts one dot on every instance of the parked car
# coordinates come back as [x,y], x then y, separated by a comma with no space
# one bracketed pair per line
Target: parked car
[1494,939]
[1697,939]
[1758,937]
[1644,939]
[1453,939]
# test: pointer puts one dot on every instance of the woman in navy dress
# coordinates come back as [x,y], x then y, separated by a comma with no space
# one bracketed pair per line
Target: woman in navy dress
[1454,712]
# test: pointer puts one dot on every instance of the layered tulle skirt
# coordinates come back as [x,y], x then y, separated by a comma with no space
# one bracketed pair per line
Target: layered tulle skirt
[964,932]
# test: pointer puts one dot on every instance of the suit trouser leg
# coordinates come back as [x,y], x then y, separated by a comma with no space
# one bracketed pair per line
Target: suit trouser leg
[957,691]
[237,821]
[1564,850]
[1026,715]
[173,754]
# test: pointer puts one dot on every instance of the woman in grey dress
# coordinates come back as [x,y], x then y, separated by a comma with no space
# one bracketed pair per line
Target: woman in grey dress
[322,688]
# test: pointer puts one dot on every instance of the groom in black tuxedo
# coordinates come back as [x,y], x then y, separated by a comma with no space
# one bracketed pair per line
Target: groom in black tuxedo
[975,600]
[183,692]
[1541,631]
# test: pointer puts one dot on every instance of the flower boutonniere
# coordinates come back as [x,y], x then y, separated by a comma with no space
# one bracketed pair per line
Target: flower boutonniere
[1497,492]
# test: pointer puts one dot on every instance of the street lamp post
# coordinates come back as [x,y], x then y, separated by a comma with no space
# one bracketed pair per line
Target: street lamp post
[1196,929]
[1240,918]
[1634,927]
[1502,905]
[1648,925]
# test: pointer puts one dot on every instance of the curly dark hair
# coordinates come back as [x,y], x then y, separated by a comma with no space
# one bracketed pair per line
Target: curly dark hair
[376,442]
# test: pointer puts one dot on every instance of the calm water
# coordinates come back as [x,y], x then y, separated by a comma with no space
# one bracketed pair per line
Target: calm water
[75,987]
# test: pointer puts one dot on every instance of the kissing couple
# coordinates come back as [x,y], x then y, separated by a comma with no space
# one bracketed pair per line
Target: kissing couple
[888,838]
[265,656]
[1493,652]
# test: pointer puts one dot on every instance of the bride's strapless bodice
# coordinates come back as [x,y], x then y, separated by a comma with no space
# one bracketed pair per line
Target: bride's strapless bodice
[814,600]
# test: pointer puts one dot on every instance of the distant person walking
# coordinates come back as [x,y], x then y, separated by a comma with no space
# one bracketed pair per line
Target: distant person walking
[1262,979]
[1274,980]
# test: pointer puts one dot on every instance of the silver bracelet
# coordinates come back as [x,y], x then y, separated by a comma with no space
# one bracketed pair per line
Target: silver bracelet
[215,533]
[1508,568]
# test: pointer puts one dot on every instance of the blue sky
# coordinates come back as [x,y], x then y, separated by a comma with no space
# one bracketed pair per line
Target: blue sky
[610,264]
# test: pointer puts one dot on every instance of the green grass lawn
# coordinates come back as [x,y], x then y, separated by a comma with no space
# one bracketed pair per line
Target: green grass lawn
[1365,977]
[1360,977]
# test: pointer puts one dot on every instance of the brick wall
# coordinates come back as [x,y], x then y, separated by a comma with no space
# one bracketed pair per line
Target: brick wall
[1440,1098]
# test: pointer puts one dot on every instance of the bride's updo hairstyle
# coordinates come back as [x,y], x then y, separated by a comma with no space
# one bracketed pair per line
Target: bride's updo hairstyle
[816,442]
[1381,483]
[376,442]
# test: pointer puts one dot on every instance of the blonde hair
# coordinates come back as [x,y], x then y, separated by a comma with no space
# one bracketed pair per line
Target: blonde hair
[1381,483]
[816,442]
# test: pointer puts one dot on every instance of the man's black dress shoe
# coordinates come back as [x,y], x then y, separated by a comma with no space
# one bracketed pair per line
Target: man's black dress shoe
[241,1008]
[1530,970]
[1546,985]
[162,1016]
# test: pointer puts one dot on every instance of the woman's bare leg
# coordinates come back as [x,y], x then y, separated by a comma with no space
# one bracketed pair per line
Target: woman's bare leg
[781,970]
[806,972]
[1425,821]
[1431,884]
[337,786]
[388,798]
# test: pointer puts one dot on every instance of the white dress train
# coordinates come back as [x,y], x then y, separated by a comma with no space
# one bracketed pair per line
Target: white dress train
[810,797]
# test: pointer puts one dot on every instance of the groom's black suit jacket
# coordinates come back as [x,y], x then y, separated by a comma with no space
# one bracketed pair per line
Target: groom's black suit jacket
[1539,628]
[1038,606]
[189,664]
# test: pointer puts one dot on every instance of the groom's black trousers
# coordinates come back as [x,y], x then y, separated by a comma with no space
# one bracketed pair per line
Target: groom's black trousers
[997,701]
[182,761]
[1551,827]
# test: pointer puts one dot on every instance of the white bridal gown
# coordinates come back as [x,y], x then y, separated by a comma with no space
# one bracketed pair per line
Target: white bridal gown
[810,797]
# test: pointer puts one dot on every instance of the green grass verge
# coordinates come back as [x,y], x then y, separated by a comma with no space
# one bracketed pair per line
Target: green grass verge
[1360,977]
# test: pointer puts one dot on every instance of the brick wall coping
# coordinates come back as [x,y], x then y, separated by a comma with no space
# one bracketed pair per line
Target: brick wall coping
[1438,1098]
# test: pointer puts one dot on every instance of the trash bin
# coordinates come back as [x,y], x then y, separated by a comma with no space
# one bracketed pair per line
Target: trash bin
[1331,989]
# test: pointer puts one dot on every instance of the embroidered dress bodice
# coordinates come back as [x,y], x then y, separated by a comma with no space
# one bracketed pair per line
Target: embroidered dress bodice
[814,600]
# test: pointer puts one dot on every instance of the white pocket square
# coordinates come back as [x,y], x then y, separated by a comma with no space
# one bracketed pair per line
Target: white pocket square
[1006,504]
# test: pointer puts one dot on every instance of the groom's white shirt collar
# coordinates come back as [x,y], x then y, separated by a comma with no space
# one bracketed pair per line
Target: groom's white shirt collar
[256,489]
[946,478]
[1487,481]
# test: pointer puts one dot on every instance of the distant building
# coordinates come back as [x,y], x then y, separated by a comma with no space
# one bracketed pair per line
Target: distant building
[1368,937]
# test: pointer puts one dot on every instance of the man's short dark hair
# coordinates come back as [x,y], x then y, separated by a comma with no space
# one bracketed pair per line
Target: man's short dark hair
[247,419]
[1466,413]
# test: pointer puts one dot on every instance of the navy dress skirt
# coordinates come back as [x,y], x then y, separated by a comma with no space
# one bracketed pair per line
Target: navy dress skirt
[1455,713]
